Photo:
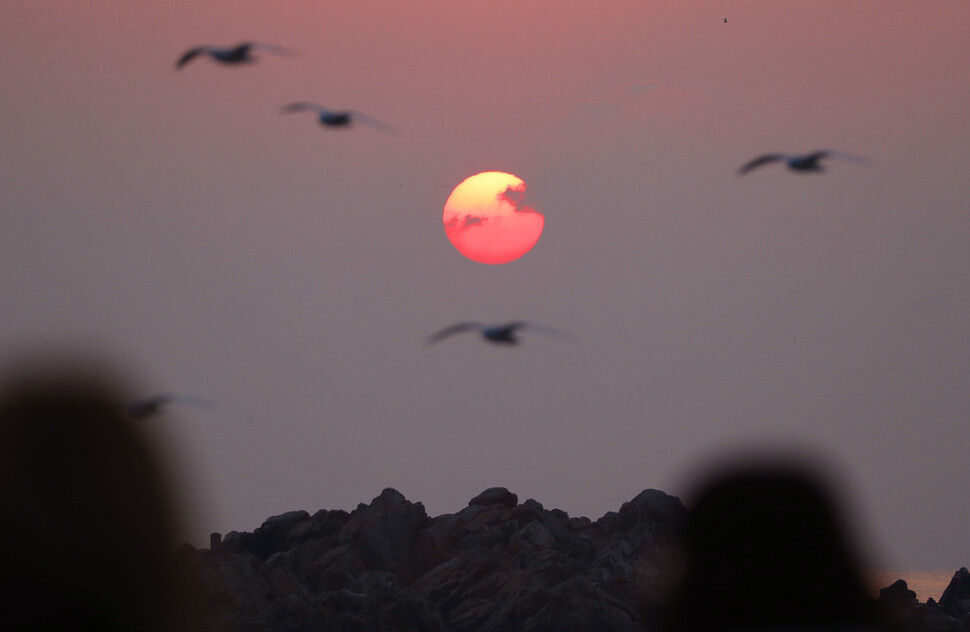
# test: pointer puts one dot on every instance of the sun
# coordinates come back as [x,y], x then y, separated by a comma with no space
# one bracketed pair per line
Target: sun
[487,219]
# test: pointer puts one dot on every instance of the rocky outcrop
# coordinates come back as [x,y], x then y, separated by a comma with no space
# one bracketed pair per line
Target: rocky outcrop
[497,565]
[903,613]
[955,600]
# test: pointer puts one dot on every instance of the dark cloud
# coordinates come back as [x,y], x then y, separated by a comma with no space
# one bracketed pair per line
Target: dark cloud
[516,196]
[468,221]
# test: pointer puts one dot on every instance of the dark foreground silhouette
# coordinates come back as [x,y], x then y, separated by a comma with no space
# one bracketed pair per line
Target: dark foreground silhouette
[88,525]
[495,565]
[765,548]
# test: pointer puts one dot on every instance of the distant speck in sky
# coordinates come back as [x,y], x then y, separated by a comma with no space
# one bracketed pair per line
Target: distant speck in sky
[802,163]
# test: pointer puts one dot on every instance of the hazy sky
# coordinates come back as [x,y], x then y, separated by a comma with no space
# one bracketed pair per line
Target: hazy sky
[177,223]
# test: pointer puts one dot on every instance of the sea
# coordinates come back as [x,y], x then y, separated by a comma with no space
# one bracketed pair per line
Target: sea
[926,583]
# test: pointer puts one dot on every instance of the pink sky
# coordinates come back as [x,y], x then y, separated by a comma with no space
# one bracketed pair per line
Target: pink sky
[178,223]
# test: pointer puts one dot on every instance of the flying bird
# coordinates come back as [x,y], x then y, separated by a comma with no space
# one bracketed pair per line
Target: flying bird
[238,54]
[504,334]
[803,163]
[336,118]
[151,406]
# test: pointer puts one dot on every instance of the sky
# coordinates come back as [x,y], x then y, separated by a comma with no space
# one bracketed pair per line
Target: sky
[175,223]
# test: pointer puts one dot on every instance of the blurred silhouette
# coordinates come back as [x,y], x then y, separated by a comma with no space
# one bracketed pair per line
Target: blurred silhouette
[89,525]
[497,334]
[765,549]
[336,118]
[233,55]
[802,163]
[151,406]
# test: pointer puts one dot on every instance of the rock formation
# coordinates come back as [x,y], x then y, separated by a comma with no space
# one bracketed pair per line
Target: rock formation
[903,613]
[494,565]
[497,565]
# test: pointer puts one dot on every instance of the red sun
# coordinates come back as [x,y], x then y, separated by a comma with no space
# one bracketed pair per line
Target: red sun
[487,220]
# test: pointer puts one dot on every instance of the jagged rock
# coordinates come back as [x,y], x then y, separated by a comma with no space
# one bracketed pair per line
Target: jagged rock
[897,593]
[326,523]
[237,542]
[902,612]
[279,533]
[495,496]
[284,520]
[956,598]
[652,509]
[493,566]
[387,535]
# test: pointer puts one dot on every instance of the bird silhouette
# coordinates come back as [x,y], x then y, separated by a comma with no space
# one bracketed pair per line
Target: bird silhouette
[151,406]
[239,54]
[502,334]
[336,118]
[802,163]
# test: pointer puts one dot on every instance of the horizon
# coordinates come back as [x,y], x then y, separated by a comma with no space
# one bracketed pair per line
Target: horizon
[927,583]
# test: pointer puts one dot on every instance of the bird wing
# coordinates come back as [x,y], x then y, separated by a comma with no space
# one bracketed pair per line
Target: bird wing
[826,153]
[760,160]
[302,106]
[189,55]
[546,329]
[451,330]
[373,122]
[147,407]
[817,155]
[273,48]
[155,400]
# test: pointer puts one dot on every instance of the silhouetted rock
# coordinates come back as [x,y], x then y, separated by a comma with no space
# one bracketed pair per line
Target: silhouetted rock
[495,565]
[279,533]
[956,598]
[495,496]
[902,612]
[897,593]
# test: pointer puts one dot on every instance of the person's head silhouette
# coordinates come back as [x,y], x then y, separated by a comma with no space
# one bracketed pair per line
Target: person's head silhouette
[89,525]
[765,548]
